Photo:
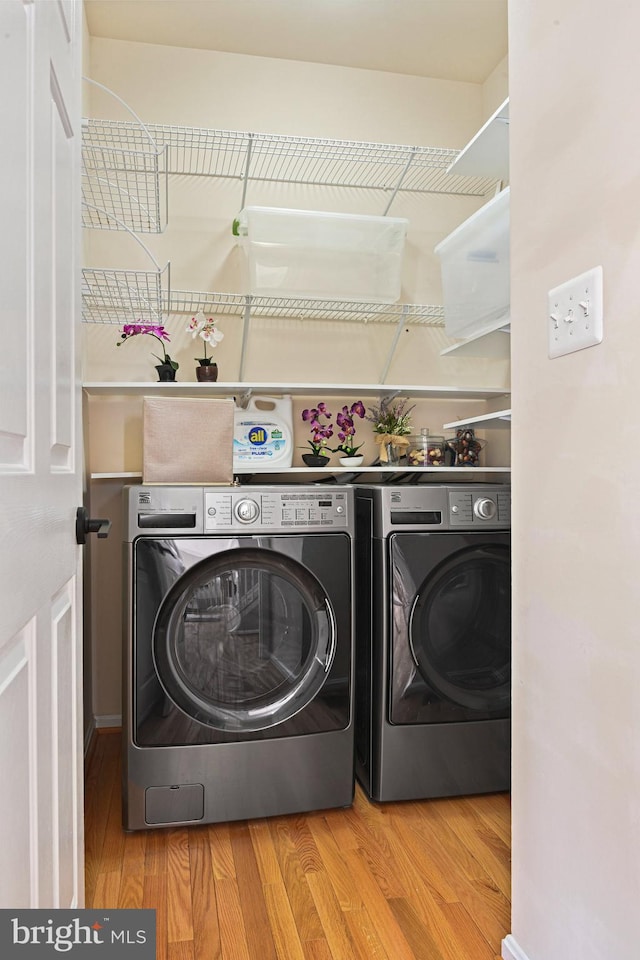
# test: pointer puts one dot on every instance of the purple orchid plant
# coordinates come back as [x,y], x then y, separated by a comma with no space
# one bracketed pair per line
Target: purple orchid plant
[320,432]
[347,429]
[153,330]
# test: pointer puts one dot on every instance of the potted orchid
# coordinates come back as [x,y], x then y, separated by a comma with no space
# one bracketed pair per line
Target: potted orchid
[391,426]
[321,433]
[167,367]
[206,329]
[347,432]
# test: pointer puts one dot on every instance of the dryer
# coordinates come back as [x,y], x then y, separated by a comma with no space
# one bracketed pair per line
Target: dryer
[433,647]
[238,652]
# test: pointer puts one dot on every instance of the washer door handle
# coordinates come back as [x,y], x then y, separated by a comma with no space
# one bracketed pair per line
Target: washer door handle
[86,524]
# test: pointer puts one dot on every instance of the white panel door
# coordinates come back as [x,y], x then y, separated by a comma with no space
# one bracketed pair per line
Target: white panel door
[41,856]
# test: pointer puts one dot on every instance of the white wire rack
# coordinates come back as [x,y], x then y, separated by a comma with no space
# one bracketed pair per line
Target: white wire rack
[184,302]
[124,184]
[115,296]
[302,160]
[125,296]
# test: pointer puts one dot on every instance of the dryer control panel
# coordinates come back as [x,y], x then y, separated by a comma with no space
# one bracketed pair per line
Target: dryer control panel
[430,507]
[274,508]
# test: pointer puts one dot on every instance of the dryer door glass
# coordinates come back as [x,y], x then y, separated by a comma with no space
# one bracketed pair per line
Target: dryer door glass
[244,640]
[452,641]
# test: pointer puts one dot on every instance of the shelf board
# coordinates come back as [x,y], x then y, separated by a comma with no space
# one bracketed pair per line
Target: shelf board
[500,419]
[493,342]
[397,468]
[487,153]
[117,475]
[239,388]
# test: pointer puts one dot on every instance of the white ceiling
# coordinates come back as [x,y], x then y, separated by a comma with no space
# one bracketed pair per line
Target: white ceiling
[446,39]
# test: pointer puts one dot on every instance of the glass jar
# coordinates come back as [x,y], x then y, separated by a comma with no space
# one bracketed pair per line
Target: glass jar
[425,450]
[465,447]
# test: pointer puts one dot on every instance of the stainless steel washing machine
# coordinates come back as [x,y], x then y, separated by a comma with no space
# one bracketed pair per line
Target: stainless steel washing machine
[433,646]
[238,659]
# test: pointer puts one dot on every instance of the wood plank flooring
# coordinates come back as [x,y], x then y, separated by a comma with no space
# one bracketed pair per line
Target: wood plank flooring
[421,880]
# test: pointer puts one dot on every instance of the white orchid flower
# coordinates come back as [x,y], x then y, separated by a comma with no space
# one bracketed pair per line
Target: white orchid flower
[196,324]
[211,334]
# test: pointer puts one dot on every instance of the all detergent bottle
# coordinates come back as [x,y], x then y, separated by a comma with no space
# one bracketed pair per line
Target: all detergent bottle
[263,435]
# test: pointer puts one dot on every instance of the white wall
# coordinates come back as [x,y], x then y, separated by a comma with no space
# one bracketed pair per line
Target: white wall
[575,203]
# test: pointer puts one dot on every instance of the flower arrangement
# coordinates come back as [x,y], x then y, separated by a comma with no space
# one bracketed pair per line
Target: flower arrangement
[391,425]
[320,433]
[347,429]
[206,329]
[153,330]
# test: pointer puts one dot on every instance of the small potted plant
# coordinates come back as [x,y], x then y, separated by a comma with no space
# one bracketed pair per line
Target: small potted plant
[391,426]
[167,367]
[206,329]
[321,433]
[347,432]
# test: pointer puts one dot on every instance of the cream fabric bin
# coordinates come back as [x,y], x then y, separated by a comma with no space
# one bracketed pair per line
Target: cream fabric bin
[187,440]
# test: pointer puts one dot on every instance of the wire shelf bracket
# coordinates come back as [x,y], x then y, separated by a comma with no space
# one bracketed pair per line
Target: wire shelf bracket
[124,296]
[127,177]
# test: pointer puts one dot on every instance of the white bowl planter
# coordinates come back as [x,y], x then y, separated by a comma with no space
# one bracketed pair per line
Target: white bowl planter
[351,461]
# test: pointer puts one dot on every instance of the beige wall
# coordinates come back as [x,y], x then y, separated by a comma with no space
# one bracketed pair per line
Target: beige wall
[495,88]
[205,89]
[575,203]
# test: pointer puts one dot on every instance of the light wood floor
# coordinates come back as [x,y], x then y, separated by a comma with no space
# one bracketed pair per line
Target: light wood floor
[422,880]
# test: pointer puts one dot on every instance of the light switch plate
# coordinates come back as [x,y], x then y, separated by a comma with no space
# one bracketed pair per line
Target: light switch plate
[575,314]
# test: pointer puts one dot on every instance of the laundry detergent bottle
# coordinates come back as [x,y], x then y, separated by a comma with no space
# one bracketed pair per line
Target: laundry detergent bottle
[263,435]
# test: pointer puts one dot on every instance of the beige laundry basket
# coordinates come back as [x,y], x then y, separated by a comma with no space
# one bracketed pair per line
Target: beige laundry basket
[187,440]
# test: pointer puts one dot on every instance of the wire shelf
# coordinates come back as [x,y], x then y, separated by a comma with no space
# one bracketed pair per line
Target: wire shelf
[120,296]
[117,296]
[301,160]
[122,183]
[183,302]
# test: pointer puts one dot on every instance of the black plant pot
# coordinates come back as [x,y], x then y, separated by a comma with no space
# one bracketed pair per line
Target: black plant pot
[312,460]
[207,372]
[165,372]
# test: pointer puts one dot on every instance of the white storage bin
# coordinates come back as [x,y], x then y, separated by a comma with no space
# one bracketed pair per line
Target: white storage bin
[475,269]
[307,253]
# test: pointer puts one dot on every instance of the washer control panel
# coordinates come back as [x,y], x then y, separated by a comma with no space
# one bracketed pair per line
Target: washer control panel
[276,509]
[474,508]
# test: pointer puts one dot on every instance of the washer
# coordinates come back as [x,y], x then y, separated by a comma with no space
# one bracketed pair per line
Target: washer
[238,660]
[433,647]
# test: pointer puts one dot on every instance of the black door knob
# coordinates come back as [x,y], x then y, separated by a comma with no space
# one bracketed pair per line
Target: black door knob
[86,524]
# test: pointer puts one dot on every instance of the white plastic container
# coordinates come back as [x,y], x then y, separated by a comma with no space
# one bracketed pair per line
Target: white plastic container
[263,435]
[307,253]
[475,270]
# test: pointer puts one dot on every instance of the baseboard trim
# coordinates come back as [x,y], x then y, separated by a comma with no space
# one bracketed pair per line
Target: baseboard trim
[511,950]
[108,720]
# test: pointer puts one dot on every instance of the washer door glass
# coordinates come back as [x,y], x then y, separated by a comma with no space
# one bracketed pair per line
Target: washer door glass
[460,628]
[244,640]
